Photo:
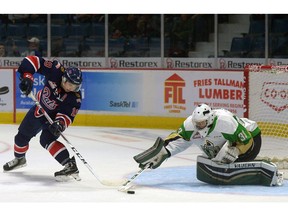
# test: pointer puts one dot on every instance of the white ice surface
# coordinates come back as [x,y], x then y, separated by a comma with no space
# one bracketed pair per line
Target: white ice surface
[110,153]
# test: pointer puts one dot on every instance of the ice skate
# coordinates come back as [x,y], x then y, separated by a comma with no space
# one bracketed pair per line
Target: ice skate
[16,163]
[70,170]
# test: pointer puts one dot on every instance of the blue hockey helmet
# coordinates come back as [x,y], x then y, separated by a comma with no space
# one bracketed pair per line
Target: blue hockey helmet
[74,76]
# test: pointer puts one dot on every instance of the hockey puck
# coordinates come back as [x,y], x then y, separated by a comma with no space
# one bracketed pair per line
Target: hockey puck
[4,90]
[130,192]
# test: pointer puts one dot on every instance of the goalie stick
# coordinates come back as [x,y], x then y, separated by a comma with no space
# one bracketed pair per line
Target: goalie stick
[67,141]
[128,184]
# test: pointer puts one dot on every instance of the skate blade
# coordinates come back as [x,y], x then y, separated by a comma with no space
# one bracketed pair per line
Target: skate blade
[15,168]
[64,178]
[280,178]
[76,177]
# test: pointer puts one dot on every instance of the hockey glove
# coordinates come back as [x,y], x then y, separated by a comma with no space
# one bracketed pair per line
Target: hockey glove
[26,84]
[57,127]
[154,156]
[227,154]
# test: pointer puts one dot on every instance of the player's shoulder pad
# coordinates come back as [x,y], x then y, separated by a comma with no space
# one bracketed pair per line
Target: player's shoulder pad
[226,123]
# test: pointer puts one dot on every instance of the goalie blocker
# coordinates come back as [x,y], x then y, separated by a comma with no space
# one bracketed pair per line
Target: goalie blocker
[240,173]
[154,156]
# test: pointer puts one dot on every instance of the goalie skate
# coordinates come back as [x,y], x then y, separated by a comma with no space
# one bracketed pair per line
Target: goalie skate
[70,171]
[16,163]
[278,179]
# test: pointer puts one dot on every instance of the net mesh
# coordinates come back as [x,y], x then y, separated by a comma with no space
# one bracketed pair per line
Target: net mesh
[268,106]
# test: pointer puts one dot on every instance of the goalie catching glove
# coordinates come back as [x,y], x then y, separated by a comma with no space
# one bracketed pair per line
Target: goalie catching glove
[57,127]
[227,154]
[154,156]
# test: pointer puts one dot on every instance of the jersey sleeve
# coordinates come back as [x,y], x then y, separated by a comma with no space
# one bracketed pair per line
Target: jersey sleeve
[185,131]
[176,145]
[69,109]
[241,138]
[36,64]
[30,64]
[238,133]
[178,141]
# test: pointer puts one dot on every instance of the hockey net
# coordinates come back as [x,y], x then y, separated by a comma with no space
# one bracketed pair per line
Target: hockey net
[266,100]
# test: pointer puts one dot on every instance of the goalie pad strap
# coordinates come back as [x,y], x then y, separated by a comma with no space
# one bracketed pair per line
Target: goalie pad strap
[151,152]
[241,173]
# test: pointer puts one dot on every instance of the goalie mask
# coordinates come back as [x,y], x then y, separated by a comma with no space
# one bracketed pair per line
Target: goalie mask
[202,118]
[73,76]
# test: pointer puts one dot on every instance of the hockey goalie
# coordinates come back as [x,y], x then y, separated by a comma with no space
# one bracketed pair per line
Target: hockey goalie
[229,144]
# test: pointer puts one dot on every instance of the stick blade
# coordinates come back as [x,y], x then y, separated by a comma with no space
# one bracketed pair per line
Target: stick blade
[125,188]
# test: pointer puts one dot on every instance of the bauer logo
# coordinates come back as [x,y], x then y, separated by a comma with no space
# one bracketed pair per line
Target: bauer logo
[275,95]
[173,94]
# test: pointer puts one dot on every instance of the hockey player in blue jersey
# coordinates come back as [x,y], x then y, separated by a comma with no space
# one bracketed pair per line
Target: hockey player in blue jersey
[61,99]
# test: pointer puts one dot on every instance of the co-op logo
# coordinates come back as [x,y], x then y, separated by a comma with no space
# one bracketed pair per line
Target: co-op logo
[275,95]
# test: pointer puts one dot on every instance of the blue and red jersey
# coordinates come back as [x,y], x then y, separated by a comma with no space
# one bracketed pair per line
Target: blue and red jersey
[60,105]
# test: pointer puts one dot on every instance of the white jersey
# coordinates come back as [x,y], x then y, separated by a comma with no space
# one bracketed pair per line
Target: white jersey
[226,126]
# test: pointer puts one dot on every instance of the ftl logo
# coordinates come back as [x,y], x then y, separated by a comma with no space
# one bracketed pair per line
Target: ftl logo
[173,94]
[275,95]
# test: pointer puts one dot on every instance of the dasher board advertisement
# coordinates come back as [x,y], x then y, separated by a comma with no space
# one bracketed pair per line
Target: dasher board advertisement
[172,93]
[6,90]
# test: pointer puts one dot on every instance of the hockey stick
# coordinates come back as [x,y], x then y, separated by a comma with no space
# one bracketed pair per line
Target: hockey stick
[127,185]
[67,141]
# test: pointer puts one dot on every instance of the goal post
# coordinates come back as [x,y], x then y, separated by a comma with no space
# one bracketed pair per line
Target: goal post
[266,102]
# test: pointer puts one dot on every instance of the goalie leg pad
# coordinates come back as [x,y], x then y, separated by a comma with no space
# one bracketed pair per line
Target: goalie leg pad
[241,173]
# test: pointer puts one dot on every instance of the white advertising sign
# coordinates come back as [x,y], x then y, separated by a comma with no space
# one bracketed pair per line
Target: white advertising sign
[6,90]
[176,93]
